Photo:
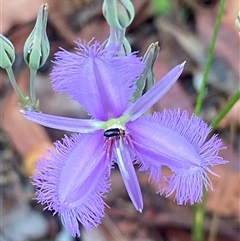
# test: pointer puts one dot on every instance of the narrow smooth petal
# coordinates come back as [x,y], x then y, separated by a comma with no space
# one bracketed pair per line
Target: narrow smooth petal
[142,104]
[62,123]
[97,78]
[178,141]
[73,179]
[125,164]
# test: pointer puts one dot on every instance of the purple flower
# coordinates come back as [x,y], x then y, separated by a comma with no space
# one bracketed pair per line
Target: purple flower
[73,179]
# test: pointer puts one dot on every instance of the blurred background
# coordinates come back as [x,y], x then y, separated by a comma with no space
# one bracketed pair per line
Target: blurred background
[183,29]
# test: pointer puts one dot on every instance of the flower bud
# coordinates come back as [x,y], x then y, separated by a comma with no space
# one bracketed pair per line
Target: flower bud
[149,60]
[147,79]
[7,52]
[118,13]
[36,49]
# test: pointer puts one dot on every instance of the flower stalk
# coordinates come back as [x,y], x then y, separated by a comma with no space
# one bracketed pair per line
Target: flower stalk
[209,58]
[24,100]
[232,101]
[199,209]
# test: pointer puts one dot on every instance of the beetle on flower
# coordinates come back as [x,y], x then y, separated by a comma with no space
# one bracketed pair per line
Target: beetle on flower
[74,178]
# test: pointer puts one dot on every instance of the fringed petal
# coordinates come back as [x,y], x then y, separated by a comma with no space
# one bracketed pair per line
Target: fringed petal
[97,78]
[73,179]
[178,141]
[188,185]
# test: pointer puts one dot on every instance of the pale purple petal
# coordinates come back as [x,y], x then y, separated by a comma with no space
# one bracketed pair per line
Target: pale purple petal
[72,180]
[97,78]
[178,141]
[62,123]
[142,104]
[125,163]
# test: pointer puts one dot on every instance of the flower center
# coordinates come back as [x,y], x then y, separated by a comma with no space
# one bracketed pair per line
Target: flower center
[118,123]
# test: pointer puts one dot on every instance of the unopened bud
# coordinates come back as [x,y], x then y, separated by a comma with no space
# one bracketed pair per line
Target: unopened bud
[7,52]
[118,13]
[36,49]
[151,54]
[147,79]
[149,59]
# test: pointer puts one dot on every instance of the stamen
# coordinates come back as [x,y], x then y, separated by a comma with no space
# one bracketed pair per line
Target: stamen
[120,161]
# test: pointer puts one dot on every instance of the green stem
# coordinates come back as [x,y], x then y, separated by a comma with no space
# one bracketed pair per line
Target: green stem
[209,58]
[214,227]
[33,74]
[216,217]
[226,109]
[13,81]
[199,209]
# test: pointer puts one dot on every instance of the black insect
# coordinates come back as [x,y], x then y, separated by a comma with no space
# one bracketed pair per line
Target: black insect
[114,132]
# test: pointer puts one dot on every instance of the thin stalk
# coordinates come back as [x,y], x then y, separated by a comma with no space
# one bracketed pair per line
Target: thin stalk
[120,36]
[215,219]
[214,227]
[226,109]
[33,74]
[209,58]
[200,209]
[13,81]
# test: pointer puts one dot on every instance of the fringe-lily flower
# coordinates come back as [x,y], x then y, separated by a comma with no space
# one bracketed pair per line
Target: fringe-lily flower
[74,177]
